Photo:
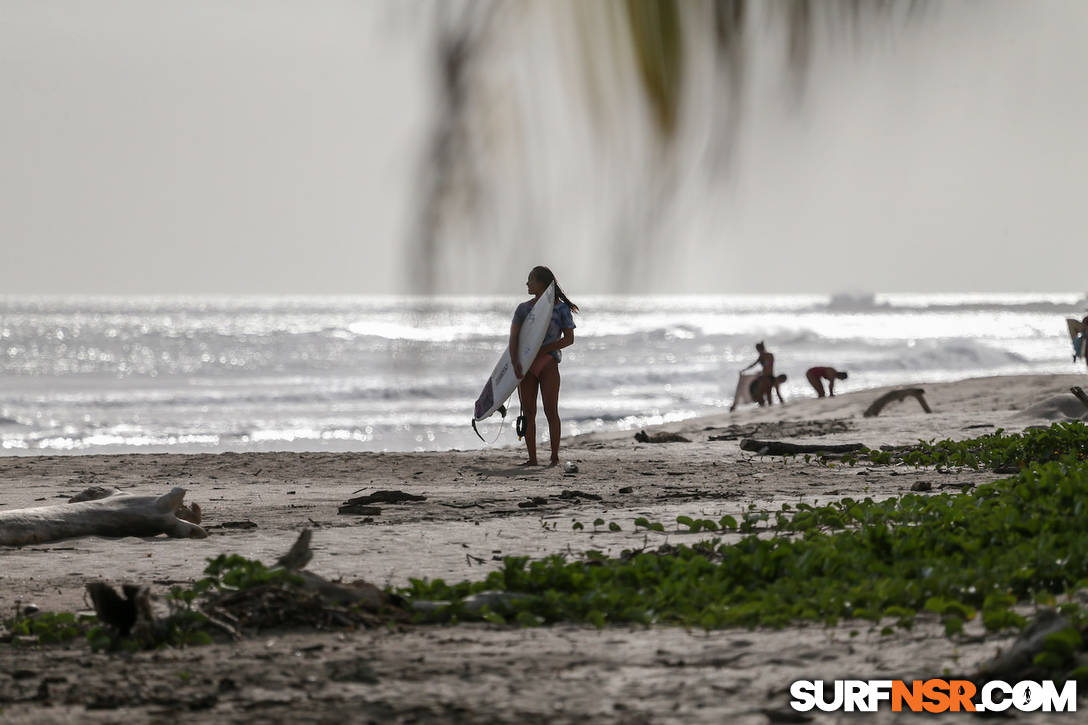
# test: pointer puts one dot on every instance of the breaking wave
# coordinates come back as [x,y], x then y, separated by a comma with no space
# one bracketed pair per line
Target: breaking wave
[400,373]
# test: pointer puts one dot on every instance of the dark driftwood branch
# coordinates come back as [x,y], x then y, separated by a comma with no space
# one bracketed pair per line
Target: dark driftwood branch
[781,448]
[894,396]
[357,593]
[299,555]
[663,437]
[1079,394]
[121,611]
[1017,662]
[114,515]
[361,505]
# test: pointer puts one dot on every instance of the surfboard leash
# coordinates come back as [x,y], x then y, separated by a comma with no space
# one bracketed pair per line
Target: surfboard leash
[519,424]
[502,410]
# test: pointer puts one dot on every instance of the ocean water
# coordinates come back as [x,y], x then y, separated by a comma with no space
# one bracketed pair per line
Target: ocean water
[179,374]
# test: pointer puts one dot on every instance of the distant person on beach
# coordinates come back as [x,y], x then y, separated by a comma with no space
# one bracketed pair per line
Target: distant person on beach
[1079,343]
[760,389]
[767,380]
[543,374]
[765,359]
[817,375]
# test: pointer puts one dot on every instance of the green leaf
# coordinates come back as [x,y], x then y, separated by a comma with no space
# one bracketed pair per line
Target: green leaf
[1049,660]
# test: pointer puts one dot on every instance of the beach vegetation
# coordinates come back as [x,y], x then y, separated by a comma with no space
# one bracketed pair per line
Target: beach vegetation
[644,523]
[997,451]
[46,627]
[986,551]
[988,555]
[233,587]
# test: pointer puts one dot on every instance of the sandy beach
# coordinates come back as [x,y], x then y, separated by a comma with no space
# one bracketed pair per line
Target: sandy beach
[262,258]
[479,507]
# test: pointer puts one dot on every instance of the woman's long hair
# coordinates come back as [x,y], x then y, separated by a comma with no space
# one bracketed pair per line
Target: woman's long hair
[545,276]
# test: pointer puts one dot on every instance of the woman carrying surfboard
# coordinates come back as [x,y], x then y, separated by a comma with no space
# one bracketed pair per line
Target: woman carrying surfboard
[543,373]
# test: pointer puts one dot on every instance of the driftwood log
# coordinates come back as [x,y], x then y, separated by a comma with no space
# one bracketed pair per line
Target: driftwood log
[122,611]
[894,396]
[644,437]
[115,514]
[1079,394]
[361,505]
[1017,662]
[781,448]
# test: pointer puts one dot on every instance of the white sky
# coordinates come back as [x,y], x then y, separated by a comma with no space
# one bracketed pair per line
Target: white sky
[272,146]
[957,163]
[204,146]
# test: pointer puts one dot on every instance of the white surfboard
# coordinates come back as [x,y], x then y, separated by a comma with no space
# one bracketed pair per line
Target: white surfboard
[744,393]
[503,382]
[1076,328]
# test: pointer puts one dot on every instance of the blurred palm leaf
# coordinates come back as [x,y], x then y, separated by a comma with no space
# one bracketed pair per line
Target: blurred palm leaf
[629,52]
[658,41]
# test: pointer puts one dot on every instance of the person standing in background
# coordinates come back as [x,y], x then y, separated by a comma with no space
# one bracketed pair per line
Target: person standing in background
[543,374]
[766,381]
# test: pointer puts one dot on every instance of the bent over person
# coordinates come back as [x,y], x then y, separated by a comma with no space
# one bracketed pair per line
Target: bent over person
[760,389]
[817,375]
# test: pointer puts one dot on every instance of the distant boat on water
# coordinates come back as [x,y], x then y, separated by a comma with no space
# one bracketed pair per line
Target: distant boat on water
[854,301]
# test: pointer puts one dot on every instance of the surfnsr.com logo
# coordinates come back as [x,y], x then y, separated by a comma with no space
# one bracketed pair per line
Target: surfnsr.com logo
[933,696]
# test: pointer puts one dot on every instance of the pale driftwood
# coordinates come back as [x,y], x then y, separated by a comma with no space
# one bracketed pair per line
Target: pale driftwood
[878,405]
[115,515]
[781,448]
[190,513]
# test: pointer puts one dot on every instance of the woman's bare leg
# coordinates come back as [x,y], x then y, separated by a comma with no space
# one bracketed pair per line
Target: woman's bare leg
[527,389]
[549,395]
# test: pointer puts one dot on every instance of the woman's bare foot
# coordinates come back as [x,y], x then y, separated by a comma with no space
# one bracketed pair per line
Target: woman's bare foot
[530,462]
[554,463]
